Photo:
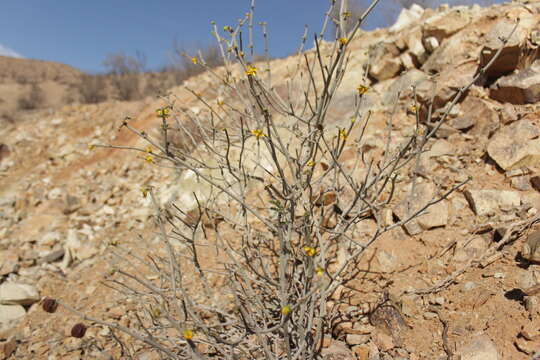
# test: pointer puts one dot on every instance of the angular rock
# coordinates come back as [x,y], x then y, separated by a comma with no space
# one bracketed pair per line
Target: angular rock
[509,58]
[520,87]
[416,47]
[486,202]
[385,68]
[431,43]
[356,339]
[515,146]
[71,204]
[481,113]
[433,217]
[7,348]
[9,262]
[463,123]
[479,348]
[407,61]
[531,248]
[10,313]
[446,87]
[21,294]
[338,351]
[407,17]
[446,24]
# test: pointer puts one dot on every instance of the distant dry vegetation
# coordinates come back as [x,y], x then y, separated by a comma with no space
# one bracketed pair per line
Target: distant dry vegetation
[27,84]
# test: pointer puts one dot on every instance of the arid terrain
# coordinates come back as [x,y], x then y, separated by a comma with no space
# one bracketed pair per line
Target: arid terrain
[463,276]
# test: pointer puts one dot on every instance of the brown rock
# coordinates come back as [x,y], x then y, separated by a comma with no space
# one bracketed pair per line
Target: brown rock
[361,351]
[338,351]
[531,248]
[7,348]
[385,68]
[446,24]
[509,57]
[9,262]
[521,87]
[435,215]
[515,145]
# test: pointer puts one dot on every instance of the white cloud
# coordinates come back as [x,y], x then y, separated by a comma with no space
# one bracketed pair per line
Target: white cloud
[5,51]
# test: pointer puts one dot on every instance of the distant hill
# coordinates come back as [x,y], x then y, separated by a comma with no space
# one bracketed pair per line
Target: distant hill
[27,84]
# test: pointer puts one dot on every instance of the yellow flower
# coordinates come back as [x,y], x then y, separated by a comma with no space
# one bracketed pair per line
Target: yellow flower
[91,147]
[156,311]
[194,60]
[149,159]
[310,251]
[251,70]
[343,41]
[353,119]
[188,334]
[346,14]
[413,108]
[257,133]
[144,191]
[286,310]
[319,271]
[227,28]
[220,102]
[343,134]
[163,112]
[149,149]
[362,89]
[311,163]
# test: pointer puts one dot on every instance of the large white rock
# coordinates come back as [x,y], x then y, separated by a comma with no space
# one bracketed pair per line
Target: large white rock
[21,294]
[487,202]
[407,17]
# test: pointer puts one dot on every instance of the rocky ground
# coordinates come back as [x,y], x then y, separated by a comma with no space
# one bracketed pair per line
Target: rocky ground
[463,277]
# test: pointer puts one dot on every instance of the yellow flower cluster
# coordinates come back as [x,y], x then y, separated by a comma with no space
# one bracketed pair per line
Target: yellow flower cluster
[188,334]
[257,133]
[286,310]
[343,41]
[149,159]
[144,191]
[163,112]
[343,134]
[362,89]
[251,70]
[194,60]
[310,251]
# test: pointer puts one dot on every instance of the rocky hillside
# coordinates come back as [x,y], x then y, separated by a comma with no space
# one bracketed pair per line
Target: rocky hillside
[463,277]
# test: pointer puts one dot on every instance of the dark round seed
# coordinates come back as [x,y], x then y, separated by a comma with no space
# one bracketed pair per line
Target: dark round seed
[78,330]
[49,305]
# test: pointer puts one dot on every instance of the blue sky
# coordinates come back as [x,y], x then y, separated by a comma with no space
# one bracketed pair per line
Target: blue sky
[81,33]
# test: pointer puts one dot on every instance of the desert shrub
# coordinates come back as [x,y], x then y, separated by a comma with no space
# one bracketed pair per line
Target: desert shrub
[33,99]
[125,74]
[249,259]
[92,89]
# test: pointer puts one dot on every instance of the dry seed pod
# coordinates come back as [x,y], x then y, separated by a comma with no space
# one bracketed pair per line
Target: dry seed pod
[49,305]
[78,330]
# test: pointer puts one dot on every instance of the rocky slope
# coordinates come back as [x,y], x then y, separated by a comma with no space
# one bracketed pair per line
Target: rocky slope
[462,285]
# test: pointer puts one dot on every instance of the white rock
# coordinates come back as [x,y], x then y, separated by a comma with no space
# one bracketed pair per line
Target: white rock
[21,294]
[479,348]
[407,17]
[10,313]
[486,202]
